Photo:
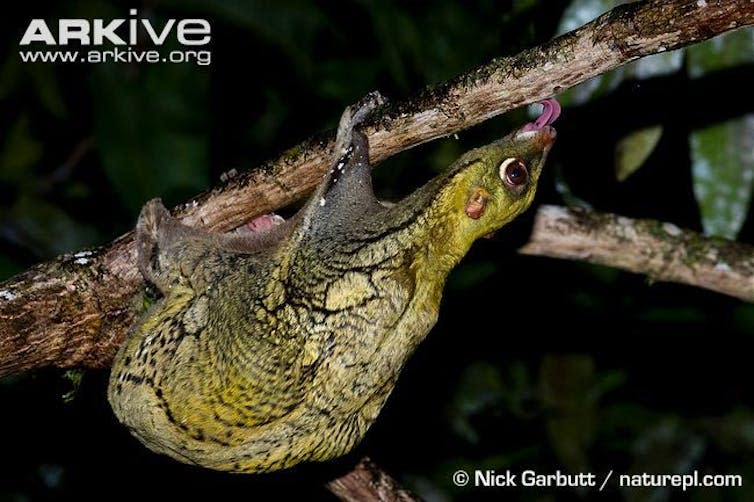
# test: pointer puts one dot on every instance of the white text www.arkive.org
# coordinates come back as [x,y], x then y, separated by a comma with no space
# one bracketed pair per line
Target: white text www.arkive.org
[117,55]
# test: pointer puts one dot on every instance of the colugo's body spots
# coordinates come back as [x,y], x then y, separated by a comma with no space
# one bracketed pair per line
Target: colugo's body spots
[281,345]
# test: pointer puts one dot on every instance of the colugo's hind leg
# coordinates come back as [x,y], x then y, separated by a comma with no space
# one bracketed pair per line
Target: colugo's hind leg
[169,252]
[258,233]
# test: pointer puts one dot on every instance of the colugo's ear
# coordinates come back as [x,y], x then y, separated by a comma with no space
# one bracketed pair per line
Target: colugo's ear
[476,204]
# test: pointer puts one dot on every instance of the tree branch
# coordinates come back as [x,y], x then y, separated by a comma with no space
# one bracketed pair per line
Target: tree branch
[75,310]
[662,251]
[368,482]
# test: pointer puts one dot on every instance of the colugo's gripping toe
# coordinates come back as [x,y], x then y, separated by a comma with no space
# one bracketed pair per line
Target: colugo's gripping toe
[353,116]
[365,106]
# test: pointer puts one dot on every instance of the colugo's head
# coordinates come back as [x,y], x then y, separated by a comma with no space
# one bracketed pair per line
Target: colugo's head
[493,184]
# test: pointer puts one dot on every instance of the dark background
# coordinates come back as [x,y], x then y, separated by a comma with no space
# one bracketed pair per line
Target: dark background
[534,363]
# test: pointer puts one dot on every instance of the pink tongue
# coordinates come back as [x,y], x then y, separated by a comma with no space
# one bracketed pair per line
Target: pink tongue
[550,113]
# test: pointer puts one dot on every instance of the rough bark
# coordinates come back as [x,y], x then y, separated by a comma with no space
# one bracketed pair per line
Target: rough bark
[75,310]
[368,482]
[662,251]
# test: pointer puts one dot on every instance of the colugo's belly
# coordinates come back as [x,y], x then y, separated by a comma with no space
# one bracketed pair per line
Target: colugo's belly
[201,396]
[306,434]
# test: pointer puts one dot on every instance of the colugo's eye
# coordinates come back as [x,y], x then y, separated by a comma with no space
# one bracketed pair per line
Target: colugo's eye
[513,172]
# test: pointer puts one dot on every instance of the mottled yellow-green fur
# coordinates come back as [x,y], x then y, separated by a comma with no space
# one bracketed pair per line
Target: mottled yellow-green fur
[282,346]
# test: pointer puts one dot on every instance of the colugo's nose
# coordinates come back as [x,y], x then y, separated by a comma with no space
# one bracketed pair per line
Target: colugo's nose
[546,136]
[542,137]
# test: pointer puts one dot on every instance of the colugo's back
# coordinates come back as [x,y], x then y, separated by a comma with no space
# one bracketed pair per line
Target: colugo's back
[281,345]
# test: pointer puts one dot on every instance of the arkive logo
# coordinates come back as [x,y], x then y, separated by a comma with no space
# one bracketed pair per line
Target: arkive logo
[130,39]
[95,31]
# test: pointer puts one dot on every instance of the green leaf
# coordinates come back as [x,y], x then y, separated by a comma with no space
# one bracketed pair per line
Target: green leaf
[722,169]
[73,376]
[151,130]
[634,149]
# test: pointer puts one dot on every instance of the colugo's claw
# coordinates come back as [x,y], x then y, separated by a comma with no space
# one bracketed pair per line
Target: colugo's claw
[352,117]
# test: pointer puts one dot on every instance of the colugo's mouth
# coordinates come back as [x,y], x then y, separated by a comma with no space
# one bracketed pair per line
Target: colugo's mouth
[542,125]
[550,113]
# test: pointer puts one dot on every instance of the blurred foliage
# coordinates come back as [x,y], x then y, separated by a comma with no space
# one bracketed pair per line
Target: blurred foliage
[723,153]
[722,158]
[534,363]
[149,123]
[74,377]
[723,170]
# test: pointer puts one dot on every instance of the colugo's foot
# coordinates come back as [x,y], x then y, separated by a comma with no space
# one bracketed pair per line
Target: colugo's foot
[352,117]
[169,252]
[149,240]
